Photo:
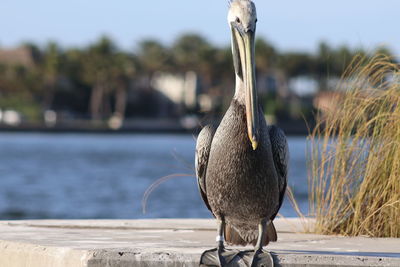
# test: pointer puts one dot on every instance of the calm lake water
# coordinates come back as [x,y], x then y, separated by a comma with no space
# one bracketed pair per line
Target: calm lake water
[82,176]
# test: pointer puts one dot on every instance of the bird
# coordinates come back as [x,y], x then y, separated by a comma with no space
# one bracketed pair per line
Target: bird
[242,163]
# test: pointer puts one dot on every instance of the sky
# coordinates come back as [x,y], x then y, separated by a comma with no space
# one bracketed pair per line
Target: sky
[290,25]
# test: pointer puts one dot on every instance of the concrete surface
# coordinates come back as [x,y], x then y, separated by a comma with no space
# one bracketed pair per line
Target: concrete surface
[123,243]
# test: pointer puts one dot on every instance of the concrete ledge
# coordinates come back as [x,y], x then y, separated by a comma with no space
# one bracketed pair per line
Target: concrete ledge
[122,243]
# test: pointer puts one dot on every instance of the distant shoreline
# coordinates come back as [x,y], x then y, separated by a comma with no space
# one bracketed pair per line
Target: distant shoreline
[139,130]
[93,131]
[140,126]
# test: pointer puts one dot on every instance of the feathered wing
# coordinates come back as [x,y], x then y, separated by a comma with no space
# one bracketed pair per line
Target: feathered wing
[203,147]
[280,152]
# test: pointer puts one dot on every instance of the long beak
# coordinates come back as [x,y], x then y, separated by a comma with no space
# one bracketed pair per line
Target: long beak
[244,40]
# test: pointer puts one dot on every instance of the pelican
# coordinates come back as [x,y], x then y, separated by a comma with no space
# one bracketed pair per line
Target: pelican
[241,165]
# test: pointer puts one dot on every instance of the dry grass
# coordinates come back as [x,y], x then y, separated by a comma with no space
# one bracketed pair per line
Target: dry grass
[355,159]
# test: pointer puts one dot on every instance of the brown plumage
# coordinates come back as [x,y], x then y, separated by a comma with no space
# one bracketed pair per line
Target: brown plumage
[241,165]
[239,185]
[232,237]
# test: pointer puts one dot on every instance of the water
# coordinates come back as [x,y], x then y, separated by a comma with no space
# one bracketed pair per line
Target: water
[78,176]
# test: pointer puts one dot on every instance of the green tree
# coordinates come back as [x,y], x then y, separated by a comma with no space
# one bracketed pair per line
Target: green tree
[266,56]
[324,65]
[296,64]
[51,68]
[152,56]
[96,62]
[122,72]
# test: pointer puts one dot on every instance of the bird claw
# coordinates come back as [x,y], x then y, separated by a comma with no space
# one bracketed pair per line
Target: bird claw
[222,257]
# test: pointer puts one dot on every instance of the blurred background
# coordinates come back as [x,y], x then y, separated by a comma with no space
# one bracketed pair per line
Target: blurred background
[99,99]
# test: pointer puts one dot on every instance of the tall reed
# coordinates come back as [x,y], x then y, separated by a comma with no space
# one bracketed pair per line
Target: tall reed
[355,154]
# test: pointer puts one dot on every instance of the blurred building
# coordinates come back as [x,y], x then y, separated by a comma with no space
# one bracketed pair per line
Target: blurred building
[179,89]
[10,117]
[273,82]
[303,86]
[22,56]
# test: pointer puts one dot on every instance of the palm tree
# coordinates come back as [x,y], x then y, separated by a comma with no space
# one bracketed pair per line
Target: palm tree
[97,61]
[51,69]
[122,71]
[192,52]
[153,56]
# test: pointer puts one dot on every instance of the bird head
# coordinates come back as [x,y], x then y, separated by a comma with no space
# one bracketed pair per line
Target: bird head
[242,15]
[242,19]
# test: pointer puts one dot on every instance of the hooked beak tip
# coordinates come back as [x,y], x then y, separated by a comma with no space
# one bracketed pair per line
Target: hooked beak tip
[254,144]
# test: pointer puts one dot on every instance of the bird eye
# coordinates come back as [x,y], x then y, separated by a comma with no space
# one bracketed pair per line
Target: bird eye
[237,20]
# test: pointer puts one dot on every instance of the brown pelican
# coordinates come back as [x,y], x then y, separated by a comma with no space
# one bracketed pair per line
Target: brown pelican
[241,165]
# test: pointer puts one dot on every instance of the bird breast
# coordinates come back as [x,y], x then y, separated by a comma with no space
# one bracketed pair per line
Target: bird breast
[241,183]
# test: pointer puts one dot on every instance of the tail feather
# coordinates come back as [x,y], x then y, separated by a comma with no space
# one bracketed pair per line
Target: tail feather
[232,236]
[271,232]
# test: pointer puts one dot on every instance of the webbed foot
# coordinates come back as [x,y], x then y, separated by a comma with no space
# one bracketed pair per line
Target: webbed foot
[259,258]
[219,257]
[236,258]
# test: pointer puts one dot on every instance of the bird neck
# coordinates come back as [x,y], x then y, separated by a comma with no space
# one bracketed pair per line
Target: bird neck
[239,91]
